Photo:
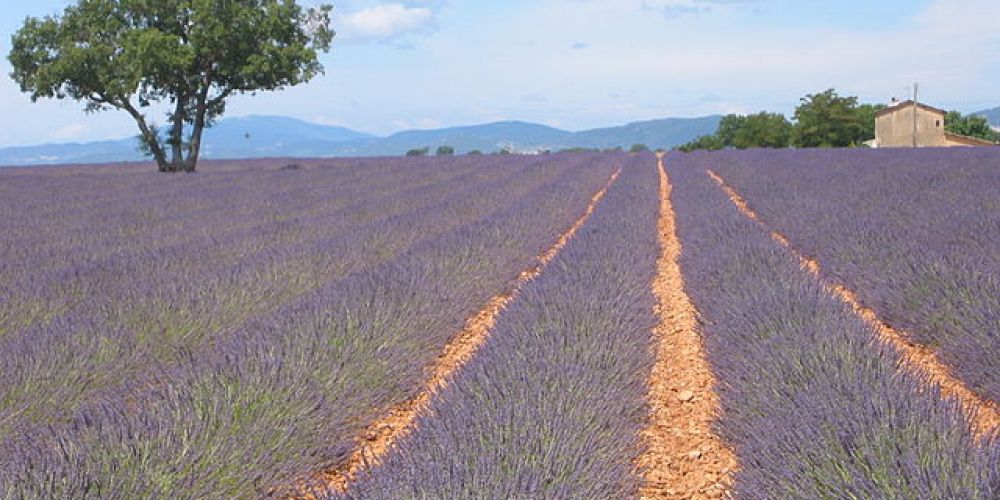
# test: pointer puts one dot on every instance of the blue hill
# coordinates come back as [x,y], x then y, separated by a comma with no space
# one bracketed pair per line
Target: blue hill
[991,115]
[274,136]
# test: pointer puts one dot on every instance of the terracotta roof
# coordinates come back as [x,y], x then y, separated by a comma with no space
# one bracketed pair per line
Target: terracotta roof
[908,104]
[969,141]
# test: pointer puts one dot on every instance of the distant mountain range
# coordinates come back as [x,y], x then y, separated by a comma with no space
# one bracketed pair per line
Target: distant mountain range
[273,136]
[991,115]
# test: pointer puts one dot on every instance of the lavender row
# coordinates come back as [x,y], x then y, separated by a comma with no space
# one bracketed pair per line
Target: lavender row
[252,212]
[116,333]
[82,210]
[552,405]
[290,394]
[89,340]
[294,235]
[813,404]
[286,238]
[126,298]
[916,233]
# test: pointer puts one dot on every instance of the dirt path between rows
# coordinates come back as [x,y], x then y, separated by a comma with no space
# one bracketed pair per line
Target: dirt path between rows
[379,438]
[684,459]
[983,414]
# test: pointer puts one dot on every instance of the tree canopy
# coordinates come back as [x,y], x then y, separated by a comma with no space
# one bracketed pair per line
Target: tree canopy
[193,54]
[761,130]
[865,115]
[711,142]
[825,119]
[828,120]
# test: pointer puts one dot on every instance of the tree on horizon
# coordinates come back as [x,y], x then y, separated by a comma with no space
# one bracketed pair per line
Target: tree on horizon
[191,54]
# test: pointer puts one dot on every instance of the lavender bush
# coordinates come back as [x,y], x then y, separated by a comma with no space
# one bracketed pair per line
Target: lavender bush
[916,233]
[552,404]
[252,406]
[178,302]
[813,405]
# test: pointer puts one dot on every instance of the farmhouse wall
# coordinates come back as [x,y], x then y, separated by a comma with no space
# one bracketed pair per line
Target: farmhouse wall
[894,127]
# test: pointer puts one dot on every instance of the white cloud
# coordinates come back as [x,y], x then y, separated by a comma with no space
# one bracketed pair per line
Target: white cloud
[963,18]
[420,124]
[384,22]
[71,132]
[677,8]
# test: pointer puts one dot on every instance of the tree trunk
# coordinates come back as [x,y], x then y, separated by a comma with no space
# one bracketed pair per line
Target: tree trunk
[150,136]
[195,146]
[201,108]
[177,135]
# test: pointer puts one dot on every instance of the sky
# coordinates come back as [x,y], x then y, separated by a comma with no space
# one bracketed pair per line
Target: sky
[578,64]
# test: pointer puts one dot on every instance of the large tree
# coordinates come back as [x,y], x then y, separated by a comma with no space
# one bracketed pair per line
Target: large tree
[828,120]
[763,130]
[190,55]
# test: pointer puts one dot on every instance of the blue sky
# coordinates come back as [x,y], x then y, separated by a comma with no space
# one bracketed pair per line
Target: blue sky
[577,64]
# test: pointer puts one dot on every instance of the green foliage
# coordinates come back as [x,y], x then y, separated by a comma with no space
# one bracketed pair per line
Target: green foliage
[822,120]
[419,152]
[192,54]
[445,151]
[761,130]
[712,142]
[147,146]
[506,150]
[728,126]
[970,126]
[828,120]
[475,152]
[638,148]
[865,114]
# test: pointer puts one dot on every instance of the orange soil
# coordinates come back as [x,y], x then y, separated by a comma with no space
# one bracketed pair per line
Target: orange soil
[380,436]
[684,458]
[983,414]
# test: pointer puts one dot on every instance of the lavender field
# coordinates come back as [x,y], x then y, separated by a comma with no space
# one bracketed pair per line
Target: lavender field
[240,332]
[161,321]
[552,405]
[915,233]
[813,404]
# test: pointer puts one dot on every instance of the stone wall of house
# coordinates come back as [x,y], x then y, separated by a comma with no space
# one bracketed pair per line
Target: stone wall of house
[895,129]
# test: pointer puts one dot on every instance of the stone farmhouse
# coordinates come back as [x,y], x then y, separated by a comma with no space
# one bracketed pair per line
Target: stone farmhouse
[895,127]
